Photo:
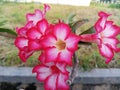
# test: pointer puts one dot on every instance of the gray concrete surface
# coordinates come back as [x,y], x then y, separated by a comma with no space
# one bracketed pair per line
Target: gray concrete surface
[95,76]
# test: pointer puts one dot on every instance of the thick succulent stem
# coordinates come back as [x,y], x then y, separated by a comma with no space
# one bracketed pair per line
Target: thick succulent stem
[74,70]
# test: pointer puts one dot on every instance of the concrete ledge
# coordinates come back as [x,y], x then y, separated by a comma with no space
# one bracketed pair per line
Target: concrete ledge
[99,76]
[17,74]
[95,76]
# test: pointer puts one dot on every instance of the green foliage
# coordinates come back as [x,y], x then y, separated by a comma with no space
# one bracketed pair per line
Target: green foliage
[114,6]
[70,19]
[7,32]
[90,58]
[89,31]
[2,22]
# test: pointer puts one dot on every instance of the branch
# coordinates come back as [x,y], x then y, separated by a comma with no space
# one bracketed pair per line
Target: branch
[74,69]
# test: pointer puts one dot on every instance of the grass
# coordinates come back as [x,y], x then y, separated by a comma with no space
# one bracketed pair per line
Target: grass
[14,15]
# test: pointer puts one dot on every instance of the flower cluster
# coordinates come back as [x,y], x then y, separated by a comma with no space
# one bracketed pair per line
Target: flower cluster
[57,44]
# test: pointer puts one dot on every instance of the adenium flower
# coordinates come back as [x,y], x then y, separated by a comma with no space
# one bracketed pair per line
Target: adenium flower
[27,41]
[35,34]
[21,42]
[38,15]
[54,75]
[60,44]
[105,37]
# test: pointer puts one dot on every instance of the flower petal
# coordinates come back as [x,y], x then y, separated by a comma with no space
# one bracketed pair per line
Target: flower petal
[42,72]
[100,24]
[72,45]
[106,51]
[21,42]
[48,41]
[112,42]
[34,45]
[42,59]
[41,69]
[21,31]
[110,30]
[33,33]
[108,60]
[51,54]
[42,26]
[61,31]
[62,67]
[46,8]
[25,54]
[51,82]
[35,17]
[62,85]
[66,56]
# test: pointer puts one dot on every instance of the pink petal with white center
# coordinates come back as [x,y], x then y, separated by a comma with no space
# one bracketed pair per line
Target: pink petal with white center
[112,42]
[66,56]
[51,82]
[106,51]
[34,45]
[22,31]
[51,54]
[41,69]
[111,30]
[37,16]
[42,72]
[29,24]
[62,67]
[25,54]
[42,26]
[42,60]
[33,33]
[100,24]
[42,76]
[48,41]
[21,42]
[61,31]
[72,42]
[62,85]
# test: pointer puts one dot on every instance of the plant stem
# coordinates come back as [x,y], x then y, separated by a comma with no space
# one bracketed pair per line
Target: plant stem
[74,70]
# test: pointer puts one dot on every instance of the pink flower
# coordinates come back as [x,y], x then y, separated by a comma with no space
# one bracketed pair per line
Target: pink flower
[28,39]
[21,42]
[105,37]
[54,75]
[29,36]
[38,15]
[35,34]
[60,44]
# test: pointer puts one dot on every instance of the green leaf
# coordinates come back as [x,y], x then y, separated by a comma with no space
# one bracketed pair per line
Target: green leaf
[3,22]
[89,31]
[78,23]
[8,33]
[70,18]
